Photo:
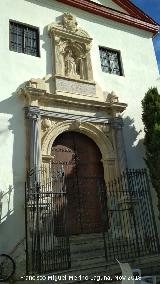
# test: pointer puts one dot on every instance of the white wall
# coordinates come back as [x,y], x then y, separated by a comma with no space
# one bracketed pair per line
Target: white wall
[110,4]
[140,73]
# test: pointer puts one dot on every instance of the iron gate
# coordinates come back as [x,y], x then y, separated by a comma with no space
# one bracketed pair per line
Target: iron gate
[46,224]
[129,224]
[129,228]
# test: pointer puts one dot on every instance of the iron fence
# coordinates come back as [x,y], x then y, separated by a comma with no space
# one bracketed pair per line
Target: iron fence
[129,223]
[46,225]
[127,219]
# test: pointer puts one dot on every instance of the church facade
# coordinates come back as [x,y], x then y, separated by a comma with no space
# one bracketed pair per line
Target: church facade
[72,79]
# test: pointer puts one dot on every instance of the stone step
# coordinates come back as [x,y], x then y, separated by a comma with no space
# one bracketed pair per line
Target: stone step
[83,263]
[85,255]
[89,262]
[87,251]
[84,237]
[86,248]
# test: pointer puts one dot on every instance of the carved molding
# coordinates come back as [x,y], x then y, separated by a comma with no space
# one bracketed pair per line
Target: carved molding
[35,97]
[87,128]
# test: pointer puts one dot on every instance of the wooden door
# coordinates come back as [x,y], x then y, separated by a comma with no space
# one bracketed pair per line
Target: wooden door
[80,159]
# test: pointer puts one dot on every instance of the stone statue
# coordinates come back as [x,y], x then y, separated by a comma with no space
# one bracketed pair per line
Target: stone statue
[70,65]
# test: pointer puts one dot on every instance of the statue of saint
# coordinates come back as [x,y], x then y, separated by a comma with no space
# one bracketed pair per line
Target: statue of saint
[70,65]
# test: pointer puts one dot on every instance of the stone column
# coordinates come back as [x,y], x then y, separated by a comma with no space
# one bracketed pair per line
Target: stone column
[122,227]
[89,68]
[119,139]
[109,169]
[33,115]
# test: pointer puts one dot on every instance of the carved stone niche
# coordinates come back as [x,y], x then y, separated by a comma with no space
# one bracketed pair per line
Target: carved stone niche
[71,56]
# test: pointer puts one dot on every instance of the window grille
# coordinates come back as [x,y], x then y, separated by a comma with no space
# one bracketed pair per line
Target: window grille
[110,61]
[24,39]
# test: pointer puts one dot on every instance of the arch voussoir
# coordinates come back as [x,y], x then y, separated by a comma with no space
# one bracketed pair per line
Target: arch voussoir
[92,131]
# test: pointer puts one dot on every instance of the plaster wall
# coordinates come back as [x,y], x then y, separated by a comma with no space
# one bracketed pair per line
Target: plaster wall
[110,4]
[140,73]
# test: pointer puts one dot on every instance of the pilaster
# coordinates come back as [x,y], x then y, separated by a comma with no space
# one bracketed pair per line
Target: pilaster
[32,114]
[117,125]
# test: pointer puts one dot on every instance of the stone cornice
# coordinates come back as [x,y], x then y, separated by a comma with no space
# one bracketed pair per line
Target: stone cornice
[144,23]
[38,97]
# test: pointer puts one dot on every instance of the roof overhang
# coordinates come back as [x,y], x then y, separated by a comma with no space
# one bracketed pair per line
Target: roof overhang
[137,19]
[133,10]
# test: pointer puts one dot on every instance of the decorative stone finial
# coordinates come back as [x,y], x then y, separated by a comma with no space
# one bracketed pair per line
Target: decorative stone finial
[36,83]
[69,22]
[112,98]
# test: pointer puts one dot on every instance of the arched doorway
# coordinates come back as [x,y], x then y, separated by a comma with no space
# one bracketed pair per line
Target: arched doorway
[79,158]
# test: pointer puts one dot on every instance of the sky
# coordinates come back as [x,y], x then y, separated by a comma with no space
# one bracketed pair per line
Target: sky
[152,9]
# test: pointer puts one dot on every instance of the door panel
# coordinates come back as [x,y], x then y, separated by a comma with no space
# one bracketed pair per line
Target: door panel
[79,157]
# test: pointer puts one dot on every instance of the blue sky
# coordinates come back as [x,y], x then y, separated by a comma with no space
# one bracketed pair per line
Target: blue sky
[152,8]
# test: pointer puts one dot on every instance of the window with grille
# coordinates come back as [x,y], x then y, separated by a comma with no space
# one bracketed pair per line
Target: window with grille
[24,38]
[110,61]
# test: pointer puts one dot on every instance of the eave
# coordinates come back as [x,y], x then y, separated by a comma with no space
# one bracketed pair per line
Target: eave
[133,10]
[114,15]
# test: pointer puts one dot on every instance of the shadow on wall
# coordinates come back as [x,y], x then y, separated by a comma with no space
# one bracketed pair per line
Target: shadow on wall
[7,197]
[47,46]
[12,183]
[135,151]
[134,146]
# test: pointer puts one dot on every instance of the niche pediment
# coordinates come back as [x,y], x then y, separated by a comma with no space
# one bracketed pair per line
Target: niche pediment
[72,68]
[68,26]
